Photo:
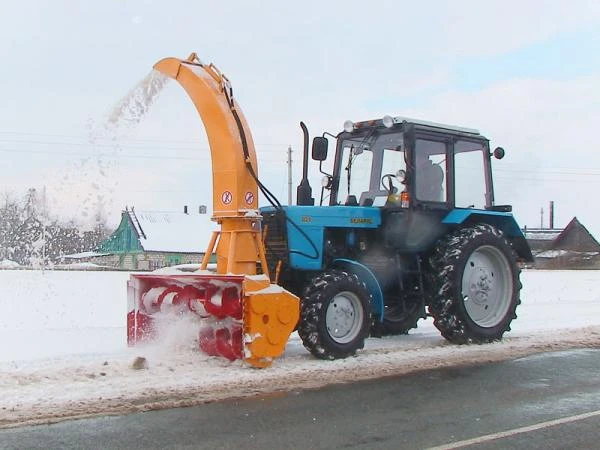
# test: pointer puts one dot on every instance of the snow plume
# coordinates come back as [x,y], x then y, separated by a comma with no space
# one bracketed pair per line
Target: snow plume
[88,184]
[92,181]
[135,105]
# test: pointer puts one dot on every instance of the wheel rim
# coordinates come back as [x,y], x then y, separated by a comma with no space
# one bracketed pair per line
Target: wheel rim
[344,317]
[486,286]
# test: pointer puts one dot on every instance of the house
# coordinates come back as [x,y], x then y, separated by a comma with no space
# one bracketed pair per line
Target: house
[572,247]
[149,240]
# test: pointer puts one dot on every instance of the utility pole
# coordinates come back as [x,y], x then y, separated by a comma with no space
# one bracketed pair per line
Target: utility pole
[289,161]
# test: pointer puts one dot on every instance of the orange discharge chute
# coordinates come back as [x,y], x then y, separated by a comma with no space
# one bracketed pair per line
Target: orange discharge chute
[241,315]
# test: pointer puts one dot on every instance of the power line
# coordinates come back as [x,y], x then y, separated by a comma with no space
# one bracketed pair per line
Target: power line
[548,180]
[564,171]
[120,139]
[118,147]
[204,153]
[201,157]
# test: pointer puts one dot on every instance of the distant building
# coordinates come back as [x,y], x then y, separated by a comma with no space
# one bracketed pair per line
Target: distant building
[572,247]
[149,240]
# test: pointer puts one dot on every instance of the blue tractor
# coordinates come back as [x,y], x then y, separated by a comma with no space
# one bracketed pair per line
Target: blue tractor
[406,227]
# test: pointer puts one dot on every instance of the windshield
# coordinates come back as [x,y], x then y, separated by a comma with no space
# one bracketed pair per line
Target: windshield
[364,160]
[355,175]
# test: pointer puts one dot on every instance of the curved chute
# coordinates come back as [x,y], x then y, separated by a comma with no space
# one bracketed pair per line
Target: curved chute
[235,190]
[234,166]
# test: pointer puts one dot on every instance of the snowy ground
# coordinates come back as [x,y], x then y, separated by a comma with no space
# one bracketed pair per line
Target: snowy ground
[63,351]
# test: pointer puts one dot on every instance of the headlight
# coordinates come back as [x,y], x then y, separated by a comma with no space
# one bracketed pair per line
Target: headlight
[326,181]
[348,126]
[388,121]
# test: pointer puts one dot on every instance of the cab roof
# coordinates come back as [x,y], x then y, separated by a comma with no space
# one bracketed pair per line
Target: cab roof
[426,123]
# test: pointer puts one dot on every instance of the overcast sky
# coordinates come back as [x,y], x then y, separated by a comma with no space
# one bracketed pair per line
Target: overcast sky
[526,73]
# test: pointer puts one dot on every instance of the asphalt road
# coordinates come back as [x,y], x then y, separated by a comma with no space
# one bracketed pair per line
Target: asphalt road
[549,400]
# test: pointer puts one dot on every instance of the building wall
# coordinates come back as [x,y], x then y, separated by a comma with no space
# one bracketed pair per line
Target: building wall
[157,260]
[144,260]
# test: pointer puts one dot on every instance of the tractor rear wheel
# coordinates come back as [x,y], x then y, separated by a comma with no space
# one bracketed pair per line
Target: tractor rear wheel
[335,315]
[475,285]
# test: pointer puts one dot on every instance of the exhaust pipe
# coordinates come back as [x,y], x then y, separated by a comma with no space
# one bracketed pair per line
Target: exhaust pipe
[304,191]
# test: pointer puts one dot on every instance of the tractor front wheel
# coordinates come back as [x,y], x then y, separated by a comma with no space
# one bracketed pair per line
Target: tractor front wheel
[334,315]
[475,285]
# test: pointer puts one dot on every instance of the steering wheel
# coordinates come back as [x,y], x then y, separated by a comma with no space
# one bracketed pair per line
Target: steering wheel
[390,187]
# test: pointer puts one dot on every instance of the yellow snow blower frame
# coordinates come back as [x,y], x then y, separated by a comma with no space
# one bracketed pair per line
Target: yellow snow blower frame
[242,314]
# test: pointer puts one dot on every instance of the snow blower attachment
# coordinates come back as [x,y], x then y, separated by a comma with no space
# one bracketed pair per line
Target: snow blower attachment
[241,315]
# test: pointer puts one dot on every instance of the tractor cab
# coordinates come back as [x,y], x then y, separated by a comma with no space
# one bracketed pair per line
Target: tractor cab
[396,162]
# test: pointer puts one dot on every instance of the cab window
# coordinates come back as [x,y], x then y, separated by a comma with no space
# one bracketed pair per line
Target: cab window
[355,173]
[469,175]
[430,171]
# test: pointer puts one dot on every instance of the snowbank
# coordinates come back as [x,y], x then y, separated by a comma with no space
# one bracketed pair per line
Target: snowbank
[8,264]
[67,355]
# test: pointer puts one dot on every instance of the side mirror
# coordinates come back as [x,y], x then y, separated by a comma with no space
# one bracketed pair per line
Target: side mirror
[499,153]
[319,148]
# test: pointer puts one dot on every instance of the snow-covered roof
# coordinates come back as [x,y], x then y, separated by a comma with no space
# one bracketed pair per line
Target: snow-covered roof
[83,255]
[542,234]
[558,253]
[552,253]
[173,231]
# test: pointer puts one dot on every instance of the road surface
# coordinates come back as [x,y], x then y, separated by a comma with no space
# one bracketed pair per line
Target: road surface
[549,400]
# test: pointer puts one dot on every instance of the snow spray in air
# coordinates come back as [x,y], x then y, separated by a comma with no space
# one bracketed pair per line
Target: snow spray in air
[93,180]
[132,108]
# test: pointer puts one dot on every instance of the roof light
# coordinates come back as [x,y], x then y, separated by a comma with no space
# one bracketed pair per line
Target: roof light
[388,121]
[348,126]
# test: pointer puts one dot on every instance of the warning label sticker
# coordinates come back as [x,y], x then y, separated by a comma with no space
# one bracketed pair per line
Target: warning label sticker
[226,197]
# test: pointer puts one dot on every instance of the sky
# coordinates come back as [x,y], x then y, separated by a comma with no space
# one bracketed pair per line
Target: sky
[526,74]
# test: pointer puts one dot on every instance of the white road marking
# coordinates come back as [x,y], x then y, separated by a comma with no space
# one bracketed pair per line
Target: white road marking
[515,431]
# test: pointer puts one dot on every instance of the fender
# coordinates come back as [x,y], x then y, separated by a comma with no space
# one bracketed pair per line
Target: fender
[365,274]
[504,221]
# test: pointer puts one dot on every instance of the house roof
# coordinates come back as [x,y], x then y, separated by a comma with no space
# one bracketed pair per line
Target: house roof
[576,237]
[172,231]
[572,242]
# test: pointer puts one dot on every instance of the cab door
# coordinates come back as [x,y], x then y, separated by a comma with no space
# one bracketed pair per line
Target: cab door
[417,227]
